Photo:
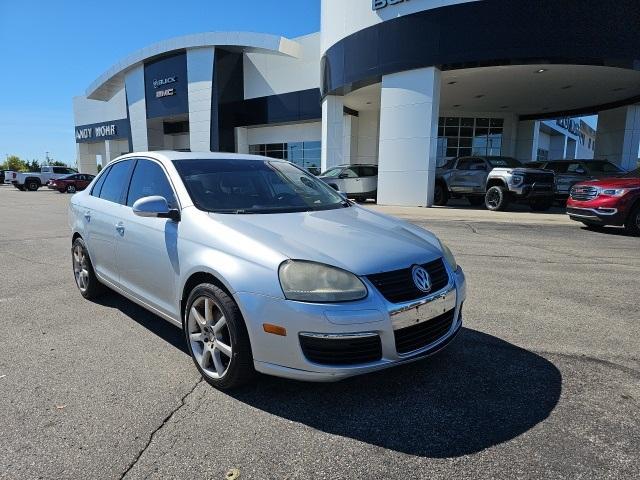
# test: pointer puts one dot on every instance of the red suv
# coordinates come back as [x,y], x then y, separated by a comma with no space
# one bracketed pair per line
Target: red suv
[609,201]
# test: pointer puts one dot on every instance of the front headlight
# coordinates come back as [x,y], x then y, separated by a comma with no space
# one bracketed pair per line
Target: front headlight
[448,256]
[517,179]
[613,192]
[315,282]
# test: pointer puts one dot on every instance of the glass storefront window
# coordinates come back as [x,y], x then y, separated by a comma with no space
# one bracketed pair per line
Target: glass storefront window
[304,154]
[464,136]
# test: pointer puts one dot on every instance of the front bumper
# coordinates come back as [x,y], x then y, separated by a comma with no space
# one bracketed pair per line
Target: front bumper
[535,190]
[284,357]
[597,216]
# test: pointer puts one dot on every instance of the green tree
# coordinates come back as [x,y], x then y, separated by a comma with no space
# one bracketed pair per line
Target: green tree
[15,163]
[33,166]
[58,163]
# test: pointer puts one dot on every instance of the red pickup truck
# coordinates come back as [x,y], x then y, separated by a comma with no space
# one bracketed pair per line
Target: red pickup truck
[609,201]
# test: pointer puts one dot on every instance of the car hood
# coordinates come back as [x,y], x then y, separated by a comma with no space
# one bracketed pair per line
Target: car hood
[614,182]
[355,239]
[521,170]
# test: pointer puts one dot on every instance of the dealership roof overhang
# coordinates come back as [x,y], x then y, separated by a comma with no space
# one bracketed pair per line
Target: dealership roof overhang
[540,59]
[112,81]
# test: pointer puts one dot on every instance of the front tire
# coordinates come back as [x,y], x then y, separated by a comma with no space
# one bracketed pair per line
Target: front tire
[633,221]
[86,279]
[217,338]
[497,198]
[441,195]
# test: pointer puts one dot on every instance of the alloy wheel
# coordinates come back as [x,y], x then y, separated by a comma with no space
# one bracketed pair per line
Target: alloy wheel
[209,337]
[493,198]
[81,268]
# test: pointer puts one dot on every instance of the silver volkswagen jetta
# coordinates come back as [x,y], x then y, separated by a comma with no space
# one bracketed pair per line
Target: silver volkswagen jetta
[265,267]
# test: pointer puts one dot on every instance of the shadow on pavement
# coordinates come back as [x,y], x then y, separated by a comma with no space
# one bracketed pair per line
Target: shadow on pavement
[163,329]
[480,392]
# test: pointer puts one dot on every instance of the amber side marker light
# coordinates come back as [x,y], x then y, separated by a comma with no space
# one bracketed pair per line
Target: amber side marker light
[275,329]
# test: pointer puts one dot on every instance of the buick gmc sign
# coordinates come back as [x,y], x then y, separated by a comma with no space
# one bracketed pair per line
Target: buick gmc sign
[379,4]
[166,86]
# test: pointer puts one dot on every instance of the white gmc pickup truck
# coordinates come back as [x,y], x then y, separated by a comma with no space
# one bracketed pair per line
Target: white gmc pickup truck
[32,181]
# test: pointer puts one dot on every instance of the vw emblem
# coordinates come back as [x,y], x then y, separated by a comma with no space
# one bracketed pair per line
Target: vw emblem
[421,279]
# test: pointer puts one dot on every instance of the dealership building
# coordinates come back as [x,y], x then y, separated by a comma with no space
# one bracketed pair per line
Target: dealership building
[404,84]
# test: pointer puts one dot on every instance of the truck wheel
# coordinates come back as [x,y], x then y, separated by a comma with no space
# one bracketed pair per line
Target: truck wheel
[633,221]
[441,195]
[497,198]
[475,201]
[32,185]
[541,205]
[71,189]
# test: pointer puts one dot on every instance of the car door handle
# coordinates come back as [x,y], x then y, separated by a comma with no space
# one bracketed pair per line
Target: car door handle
[87,216]
[120,228]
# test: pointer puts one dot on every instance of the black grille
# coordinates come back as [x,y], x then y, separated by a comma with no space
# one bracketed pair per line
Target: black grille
[541,177]
[398,286]
[584,193]
[341,351]
[417,336]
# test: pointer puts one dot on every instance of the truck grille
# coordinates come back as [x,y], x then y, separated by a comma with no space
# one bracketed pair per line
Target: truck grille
[584,193]
[341,350]
[541,177]
[417,336]
[397,286]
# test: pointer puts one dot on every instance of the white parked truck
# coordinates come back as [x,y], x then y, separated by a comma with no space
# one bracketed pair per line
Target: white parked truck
[32,181]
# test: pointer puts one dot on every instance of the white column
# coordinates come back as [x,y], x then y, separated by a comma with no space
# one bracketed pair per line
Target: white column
[618,136]
[134,83]
[200,64]
[242,140]
[410,107]
[527,140]
[332,132]
[350,139]
[85,161]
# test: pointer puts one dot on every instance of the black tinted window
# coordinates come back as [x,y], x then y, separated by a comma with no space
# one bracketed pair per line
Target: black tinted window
[149,179]
[95,191]
[368,171]
[112,187]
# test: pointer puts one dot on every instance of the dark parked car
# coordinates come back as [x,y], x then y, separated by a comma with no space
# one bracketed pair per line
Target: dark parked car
[570,172]
[608,201]
[71,183]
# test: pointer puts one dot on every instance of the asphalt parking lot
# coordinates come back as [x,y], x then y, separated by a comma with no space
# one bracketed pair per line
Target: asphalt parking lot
[543,382]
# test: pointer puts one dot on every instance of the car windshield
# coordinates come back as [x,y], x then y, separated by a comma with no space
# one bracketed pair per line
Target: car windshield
[632,174]
[255,186]
[332,173]
[602,166]
[499,162]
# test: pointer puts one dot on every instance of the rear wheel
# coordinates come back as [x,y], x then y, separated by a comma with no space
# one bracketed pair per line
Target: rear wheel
[497,198]
[71,189]
[86,280]
[32,185]
[633,221]
[217,337]
[441,195]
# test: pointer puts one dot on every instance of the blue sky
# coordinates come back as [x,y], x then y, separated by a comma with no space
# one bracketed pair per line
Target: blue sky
[51,50]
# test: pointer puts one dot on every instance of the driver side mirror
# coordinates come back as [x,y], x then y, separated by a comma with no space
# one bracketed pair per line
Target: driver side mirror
[155,207]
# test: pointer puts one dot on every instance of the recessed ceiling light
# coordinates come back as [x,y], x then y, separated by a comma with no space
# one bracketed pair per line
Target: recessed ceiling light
[452,83]
[456,106]
[566,87]
[479,96]
[504,106]
[542,70]
[368,103]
